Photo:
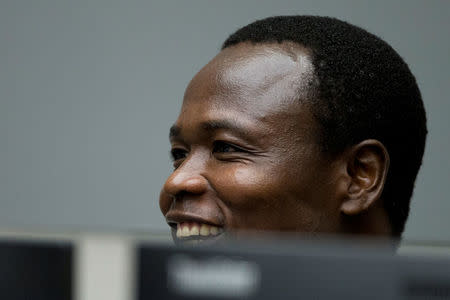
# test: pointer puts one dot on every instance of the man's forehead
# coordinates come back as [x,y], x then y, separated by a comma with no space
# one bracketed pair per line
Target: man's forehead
[246,71]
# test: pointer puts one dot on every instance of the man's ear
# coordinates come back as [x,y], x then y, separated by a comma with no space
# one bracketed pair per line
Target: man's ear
[367,168]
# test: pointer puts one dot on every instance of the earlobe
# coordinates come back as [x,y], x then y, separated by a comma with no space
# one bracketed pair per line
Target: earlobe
[367,167]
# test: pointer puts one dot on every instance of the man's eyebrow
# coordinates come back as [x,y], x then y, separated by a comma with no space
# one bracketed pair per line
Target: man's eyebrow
[231,125]
[214,125]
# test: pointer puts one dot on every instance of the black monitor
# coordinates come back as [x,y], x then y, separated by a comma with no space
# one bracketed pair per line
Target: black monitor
[35,270]
[279,270]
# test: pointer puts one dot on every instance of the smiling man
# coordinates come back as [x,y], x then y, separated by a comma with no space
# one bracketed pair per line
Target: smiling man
[299,124]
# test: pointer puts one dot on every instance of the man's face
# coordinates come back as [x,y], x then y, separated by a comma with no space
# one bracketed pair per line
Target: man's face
[245,149]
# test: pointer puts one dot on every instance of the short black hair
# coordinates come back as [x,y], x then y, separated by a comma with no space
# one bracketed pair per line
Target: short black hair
[364,90]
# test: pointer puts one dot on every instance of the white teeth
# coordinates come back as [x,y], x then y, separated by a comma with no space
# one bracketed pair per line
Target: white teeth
[194,229]
[185,231]
[204,230]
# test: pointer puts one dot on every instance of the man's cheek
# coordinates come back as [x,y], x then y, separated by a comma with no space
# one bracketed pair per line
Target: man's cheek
[244,189]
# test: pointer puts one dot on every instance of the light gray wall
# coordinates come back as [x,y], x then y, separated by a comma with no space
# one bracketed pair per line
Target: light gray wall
[88,90]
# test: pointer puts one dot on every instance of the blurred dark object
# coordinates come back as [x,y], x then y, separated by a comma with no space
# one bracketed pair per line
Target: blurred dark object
[300,270]
[35,270]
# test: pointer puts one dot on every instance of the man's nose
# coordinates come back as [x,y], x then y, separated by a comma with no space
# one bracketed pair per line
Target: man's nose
[188,178]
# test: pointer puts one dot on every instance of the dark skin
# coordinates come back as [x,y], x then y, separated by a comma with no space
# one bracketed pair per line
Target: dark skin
[247,157]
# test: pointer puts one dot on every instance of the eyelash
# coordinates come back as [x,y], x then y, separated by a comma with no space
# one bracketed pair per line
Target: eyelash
[221,144]
[218,147]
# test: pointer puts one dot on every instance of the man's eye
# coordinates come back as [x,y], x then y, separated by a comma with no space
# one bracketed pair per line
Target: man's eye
[178,154]
[224,147]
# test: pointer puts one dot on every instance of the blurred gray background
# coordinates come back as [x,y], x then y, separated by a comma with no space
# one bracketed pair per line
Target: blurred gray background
[89,88]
